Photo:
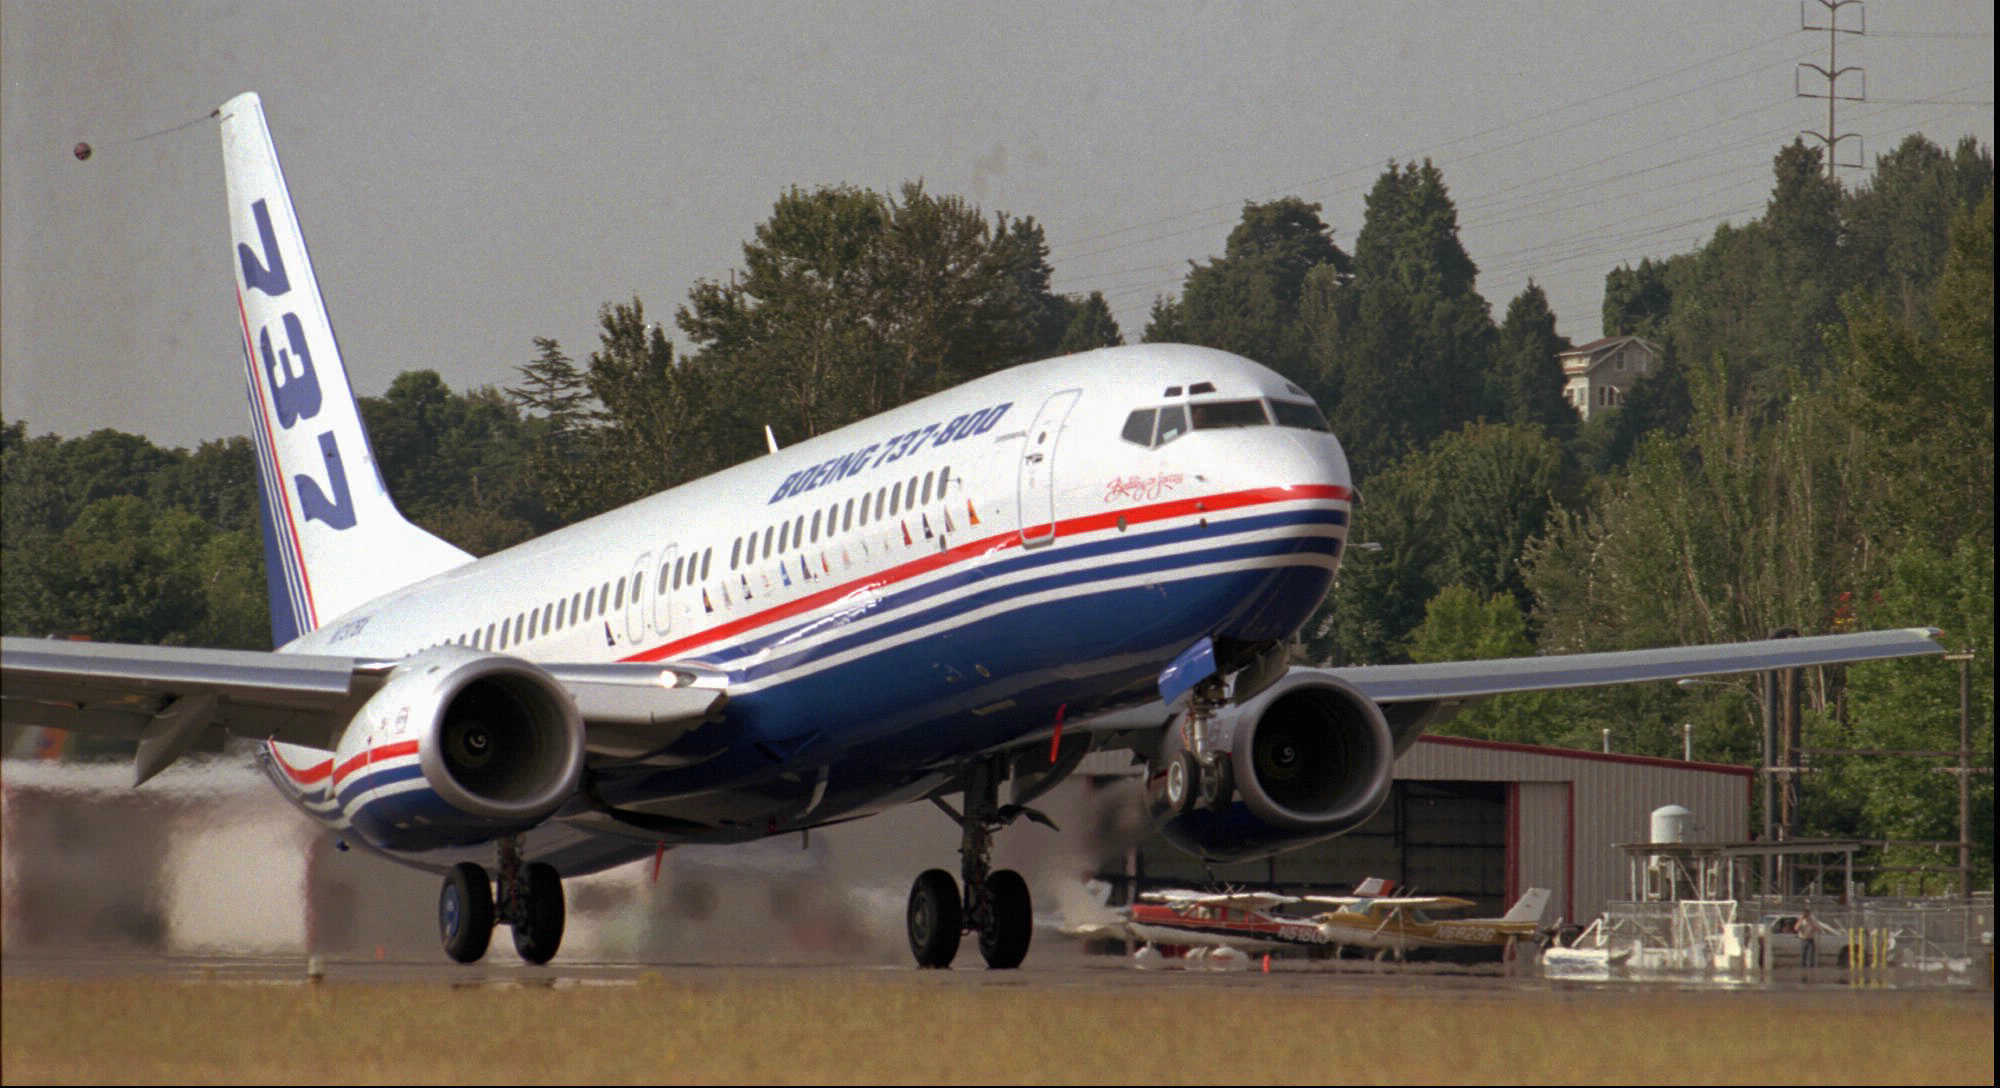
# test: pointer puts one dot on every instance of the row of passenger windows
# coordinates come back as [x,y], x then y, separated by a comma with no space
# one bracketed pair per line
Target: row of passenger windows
[1154,427]
[839,517]
[691,570]
[580,607]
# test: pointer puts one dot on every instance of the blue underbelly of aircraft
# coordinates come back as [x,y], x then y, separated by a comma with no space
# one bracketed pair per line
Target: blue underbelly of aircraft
[878,723]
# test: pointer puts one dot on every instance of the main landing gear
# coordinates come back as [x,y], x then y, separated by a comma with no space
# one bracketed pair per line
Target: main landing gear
[1199,777]
[995,906]
[530,900]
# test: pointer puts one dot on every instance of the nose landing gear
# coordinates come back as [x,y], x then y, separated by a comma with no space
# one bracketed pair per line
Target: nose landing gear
[530,900]
[1199,776]
[996,905]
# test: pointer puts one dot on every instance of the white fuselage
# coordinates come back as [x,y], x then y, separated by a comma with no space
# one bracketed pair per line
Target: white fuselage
[944,578]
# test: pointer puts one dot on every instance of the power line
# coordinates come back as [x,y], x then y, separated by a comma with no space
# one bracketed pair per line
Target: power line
[1325,178]
[1965,34]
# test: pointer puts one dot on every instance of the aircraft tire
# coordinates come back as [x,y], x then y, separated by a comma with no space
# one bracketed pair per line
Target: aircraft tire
[465,912]
[1182,775]
[538,936]
[936,919]
[1218,787]
[1004,943]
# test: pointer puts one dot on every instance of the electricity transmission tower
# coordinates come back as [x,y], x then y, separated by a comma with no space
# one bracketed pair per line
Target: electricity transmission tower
[1831,75]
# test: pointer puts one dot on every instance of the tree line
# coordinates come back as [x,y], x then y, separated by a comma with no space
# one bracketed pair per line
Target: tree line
[1814,452]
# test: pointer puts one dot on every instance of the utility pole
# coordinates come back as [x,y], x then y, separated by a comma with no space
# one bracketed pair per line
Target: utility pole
[1775,681]
[1965,771]
[1831,74]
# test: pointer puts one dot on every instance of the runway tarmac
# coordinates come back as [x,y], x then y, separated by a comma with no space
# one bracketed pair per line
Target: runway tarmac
[1062,967]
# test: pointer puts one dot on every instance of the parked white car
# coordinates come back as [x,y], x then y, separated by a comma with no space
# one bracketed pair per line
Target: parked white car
[1781,939]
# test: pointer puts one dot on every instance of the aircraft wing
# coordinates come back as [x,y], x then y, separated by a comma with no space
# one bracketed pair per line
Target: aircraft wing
[1107,930]
[1230,900]
[1500,676]
[1413,695]
[165,696]
[1426,902]
[1398,902]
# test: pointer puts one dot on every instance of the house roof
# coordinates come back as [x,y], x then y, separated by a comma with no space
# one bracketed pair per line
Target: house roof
[1582,358]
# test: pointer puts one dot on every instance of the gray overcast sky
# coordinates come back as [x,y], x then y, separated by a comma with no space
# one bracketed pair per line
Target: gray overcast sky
[471,175]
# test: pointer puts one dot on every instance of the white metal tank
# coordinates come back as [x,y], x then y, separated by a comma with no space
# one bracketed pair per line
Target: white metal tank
[1672,823]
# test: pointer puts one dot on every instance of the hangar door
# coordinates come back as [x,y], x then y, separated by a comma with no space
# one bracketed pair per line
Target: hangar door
[1454,839]
[1431,837]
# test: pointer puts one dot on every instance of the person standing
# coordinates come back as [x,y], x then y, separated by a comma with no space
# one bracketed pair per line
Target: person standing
[1808,930]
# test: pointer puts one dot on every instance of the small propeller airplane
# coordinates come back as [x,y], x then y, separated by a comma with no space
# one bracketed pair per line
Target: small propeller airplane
[1224,928]
[1399,926]
[1220,928]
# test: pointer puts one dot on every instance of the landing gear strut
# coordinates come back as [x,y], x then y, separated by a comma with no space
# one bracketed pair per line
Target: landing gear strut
[1200,777]
[530,900]
[996,905]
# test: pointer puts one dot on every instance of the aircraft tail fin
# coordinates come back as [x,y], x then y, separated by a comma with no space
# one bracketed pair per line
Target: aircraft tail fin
[1374,887]
[1530,907]
[333,538]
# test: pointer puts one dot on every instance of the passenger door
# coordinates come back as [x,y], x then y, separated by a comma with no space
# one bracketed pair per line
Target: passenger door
[663,602]
[635,601]
[1037,492]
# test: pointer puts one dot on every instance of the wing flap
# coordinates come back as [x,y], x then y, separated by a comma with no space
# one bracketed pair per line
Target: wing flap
[119,690]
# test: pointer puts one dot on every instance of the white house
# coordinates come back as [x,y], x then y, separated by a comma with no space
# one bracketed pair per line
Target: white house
[1600,373]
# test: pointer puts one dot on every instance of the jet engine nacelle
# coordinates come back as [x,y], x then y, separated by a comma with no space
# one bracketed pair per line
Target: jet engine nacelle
[457,748]
[1310,758]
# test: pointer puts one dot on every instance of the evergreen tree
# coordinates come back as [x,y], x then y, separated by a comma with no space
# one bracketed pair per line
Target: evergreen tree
[1090,326]
[568,432]
[1248,301]
[1402,354]
[1526,369]
[1637,300]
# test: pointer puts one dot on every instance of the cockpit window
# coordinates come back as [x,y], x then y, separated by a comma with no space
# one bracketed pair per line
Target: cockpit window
[1139,427]
[1214,415]
[1173,424]
[1291,413]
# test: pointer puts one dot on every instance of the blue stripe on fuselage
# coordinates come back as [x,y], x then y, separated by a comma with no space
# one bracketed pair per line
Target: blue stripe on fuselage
[977,571]
[909,620]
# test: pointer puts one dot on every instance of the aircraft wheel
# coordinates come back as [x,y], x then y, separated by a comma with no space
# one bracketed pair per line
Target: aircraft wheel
[537,936]
[465,912]
[935,919]
[1217,785]
[1182,774]
[1004,942]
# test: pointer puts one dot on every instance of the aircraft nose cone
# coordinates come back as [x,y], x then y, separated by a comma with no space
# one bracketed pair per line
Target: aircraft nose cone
[1311,458]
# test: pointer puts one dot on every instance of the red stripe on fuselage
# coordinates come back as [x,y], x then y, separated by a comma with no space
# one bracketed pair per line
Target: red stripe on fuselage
[1207,504]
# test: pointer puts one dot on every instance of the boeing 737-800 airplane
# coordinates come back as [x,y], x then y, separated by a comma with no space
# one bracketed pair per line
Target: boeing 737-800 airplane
[970,592]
